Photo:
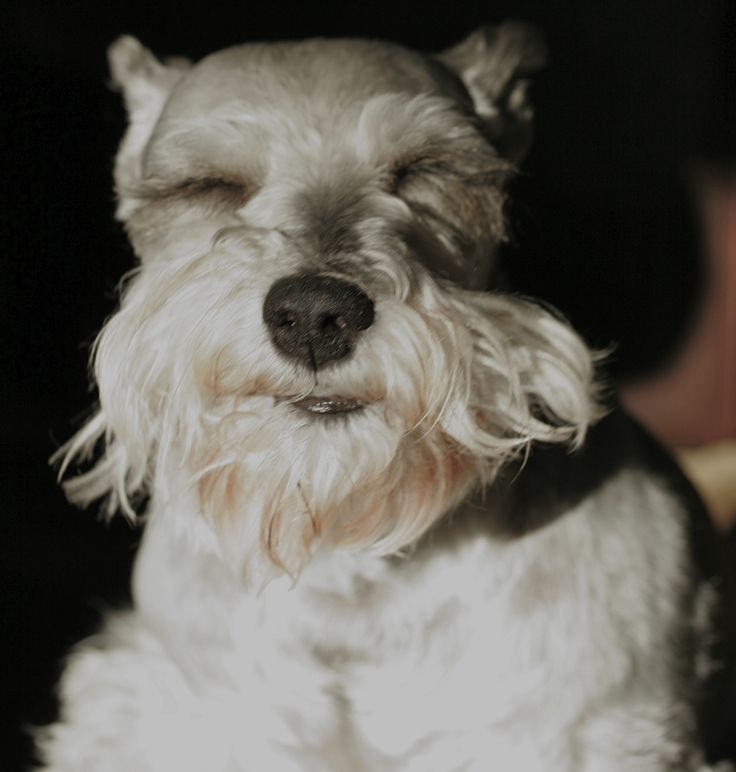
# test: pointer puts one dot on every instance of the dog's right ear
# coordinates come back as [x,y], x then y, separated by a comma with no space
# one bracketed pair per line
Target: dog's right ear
[495,64]
[145,84]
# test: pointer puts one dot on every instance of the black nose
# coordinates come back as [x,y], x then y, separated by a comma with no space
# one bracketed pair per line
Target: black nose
[316,319]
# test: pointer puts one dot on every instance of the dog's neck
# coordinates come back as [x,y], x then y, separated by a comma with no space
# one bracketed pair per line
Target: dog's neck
[342,601]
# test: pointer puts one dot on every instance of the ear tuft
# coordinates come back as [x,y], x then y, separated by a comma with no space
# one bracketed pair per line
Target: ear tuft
[129,59]
[495,64]
[145,83]
[139,75]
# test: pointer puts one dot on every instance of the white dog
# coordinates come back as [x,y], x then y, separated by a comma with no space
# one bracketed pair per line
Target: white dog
[387,528]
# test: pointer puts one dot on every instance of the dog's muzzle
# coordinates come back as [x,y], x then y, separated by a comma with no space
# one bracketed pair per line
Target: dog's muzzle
[316,319]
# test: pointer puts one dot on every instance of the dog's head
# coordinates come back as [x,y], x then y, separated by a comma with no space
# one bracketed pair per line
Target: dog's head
[307,354]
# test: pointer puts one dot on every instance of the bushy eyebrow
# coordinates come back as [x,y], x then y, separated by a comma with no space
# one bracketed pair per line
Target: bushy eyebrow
[469,169]
[203,149]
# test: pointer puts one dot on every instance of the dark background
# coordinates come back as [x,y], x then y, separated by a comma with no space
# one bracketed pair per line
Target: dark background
[638,99]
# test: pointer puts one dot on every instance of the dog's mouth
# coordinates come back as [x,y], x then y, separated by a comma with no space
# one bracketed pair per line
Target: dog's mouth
[325,405]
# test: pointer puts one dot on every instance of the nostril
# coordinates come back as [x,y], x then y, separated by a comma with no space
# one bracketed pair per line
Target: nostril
[359,314]
[333,322]
[286,319]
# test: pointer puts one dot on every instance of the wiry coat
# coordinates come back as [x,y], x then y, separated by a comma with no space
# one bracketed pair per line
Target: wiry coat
[459,573]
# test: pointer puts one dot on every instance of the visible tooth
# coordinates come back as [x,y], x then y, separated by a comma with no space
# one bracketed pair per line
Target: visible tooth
[326,405]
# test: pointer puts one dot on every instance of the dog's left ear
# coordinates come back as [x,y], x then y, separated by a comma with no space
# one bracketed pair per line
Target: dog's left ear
[495,64]
[145,83]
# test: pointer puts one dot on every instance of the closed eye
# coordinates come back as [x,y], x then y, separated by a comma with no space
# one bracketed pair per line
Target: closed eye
[207,189]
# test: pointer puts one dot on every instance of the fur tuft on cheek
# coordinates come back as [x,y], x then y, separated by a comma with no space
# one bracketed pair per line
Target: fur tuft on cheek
[126,422]
[541,374]
[491,373]
[146,368]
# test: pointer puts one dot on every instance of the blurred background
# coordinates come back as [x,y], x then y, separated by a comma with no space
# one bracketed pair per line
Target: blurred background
[624,217]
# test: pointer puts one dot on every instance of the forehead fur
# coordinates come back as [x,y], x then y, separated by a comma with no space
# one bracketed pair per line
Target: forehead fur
[325,76]
[309,107]
[226,111]
[334,138]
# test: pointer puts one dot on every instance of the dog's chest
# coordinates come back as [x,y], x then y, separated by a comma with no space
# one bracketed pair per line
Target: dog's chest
[437,644]
[471,635]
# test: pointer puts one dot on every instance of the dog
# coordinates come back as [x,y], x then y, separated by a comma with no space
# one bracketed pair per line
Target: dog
[391,521]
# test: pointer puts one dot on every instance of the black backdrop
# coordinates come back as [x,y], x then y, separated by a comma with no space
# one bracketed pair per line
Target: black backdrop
[637,97]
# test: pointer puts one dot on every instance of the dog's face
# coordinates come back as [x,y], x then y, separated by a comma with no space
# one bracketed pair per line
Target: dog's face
[307,352]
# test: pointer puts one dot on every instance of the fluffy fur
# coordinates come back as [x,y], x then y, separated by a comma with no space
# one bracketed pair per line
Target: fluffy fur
[424,583]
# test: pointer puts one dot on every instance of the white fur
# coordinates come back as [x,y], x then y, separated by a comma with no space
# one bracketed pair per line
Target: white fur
[335,594]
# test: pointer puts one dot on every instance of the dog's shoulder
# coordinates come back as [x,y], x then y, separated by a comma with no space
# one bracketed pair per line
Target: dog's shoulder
[553,480]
